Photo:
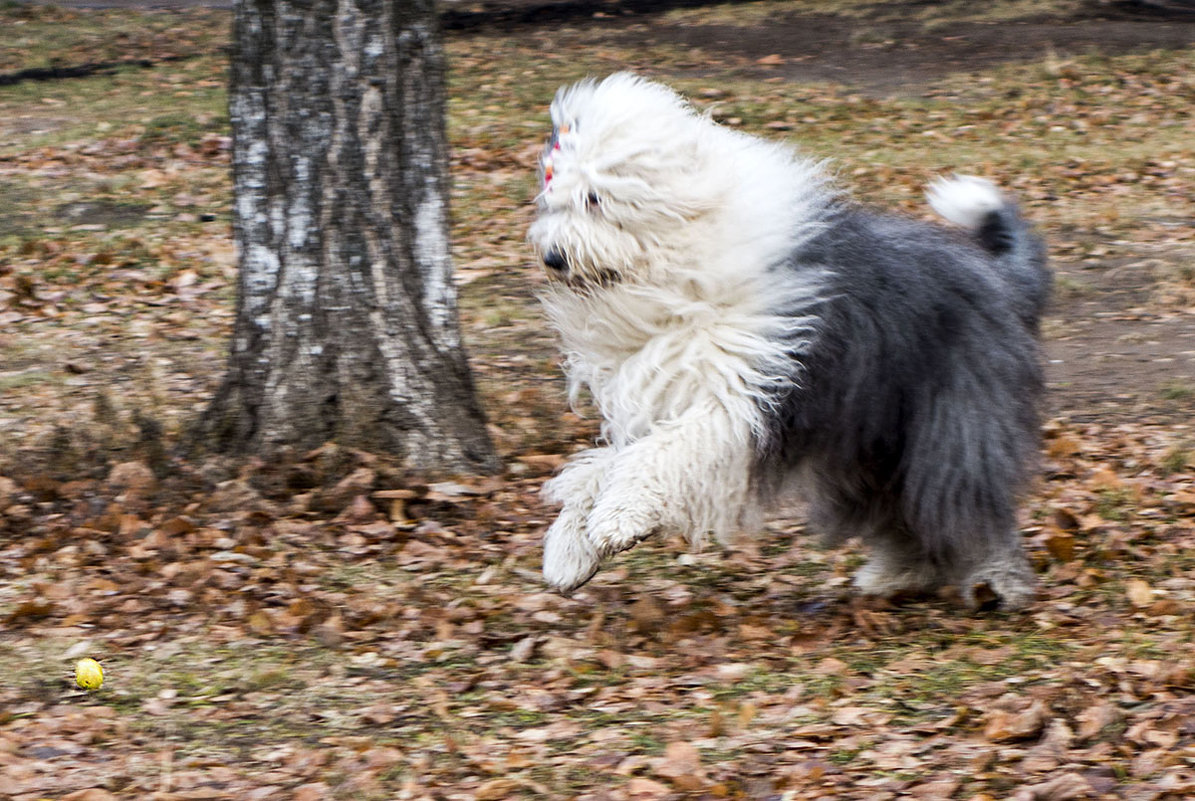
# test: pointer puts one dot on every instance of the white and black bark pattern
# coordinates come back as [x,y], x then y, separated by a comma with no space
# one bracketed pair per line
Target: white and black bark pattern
[346,323]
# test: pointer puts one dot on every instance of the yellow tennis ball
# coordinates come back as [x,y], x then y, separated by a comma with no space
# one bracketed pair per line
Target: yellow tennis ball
[88,674]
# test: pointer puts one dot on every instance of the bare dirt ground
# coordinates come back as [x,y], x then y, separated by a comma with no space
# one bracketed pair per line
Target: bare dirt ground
[888,54]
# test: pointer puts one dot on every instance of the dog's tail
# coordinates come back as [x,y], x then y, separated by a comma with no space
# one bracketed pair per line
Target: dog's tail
[998,227]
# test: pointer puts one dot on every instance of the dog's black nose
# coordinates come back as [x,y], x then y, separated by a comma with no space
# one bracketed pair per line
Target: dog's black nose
[554,260]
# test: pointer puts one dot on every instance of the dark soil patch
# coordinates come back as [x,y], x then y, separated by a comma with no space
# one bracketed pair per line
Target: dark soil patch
[1112,351]
[85,70]
[1105,366]
[889,51]
[900,57]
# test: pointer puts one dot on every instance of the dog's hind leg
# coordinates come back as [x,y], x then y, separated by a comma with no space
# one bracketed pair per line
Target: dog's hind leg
[897,566]
[959,500]
[856,505]
[1002,579]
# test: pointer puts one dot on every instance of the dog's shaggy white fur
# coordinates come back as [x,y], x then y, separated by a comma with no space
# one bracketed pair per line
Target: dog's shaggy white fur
[712,293]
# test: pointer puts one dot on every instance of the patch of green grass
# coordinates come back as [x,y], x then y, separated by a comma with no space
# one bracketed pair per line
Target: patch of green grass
[1185,272]
[187,128]
[645,741]
[772,682]
[1114,504]
[1067,287]
[27,378]
[268,678]
[924,694]
[16,218]
[862,11]
[122,104]
[1176,459]
[936,15]
[503,314]
[1177,391]
[39,36]
[844,756]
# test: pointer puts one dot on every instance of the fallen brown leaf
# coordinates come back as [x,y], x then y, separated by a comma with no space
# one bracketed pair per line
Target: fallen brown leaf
[1012,726]
[1139,593]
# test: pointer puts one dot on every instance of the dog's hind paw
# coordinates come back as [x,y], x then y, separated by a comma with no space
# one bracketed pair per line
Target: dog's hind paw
[1006,585]
[570,559]
[887,576]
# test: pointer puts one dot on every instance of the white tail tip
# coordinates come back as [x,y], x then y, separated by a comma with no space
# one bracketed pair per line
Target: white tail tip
[964,199]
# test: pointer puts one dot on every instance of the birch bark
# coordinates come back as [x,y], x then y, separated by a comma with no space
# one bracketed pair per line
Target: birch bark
[346,325]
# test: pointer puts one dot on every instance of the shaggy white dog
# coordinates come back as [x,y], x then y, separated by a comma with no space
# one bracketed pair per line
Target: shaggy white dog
[737,323]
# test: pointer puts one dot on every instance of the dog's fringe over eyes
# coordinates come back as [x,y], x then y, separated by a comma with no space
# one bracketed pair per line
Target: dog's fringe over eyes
[743,327]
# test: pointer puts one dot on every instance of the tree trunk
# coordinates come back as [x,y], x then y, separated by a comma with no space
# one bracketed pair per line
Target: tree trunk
[346,324]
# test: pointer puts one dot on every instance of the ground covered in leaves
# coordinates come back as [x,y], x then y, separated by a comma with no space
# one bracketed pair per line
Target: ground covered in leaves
[330,626]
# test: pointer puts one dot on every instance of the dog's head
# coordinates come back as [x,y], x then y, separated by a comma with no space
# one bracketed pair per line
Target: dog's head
[626,172]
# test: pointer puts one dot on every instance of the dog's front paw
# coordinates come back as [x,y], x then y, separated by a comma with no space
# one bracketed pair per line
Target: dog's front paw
[613,528]
[570,559]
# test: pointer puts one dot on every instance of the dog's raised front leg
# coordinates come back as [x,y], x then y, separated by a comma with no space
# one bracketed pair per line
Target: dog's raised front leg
[690,476]
[570,558]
